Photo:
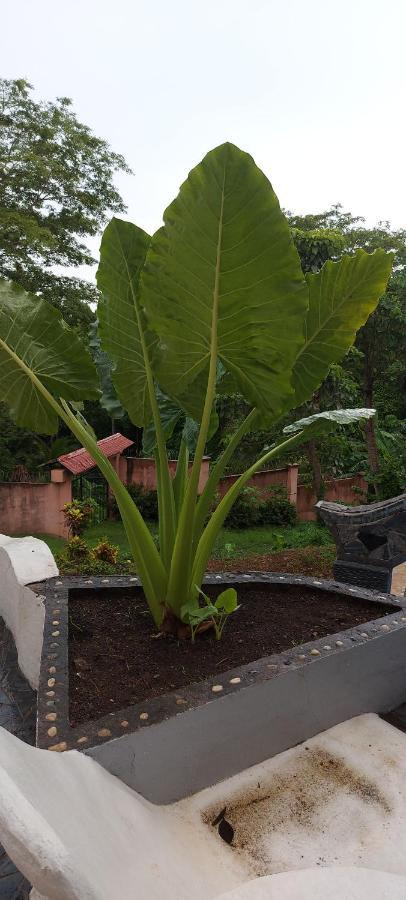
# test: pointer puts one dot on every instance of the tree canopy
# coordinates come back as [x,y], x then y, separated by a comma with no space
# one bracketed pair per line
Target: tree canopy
[56,189]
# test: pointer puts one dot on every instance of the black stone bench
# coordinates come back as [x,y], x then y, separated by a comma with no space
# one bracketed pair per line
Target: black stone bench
[370,541]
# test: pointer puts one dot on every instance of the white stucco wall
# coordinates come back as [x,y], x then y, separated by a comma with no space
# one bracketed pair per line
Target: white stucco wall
[323,884]
[24,561]
[78,833]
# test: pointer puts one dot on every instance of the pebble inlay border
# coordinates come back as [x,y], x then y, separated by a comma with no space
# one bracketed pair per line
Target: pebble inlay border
[149,713]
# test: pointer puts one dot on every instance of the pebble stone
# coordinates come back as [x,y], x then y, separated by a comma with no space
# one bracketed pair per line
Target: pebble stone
[327,647]
[385,627]
[124,723]
[314,652]
[403,619]
[55,622]
[301,656]
[217,688]
[55,612]
[104,732]
[52,731]
[50,693]
[58,582]
[364,634]
[51,682]
[52,670]
[339,644]
[55,633]
[144,716]
[235,680]
[59,748]
[50,717]
[82,740]
[181,702]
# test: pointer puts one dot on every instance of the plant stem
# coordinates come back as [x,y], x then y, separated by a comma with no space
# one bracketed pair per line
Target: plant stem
[213,527]
[179,577]
[209,492]
[167,503]
[147,559]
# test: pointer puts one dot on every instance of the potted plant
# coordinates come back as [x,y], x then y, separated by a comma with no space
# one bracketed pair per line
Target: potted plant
[215,301]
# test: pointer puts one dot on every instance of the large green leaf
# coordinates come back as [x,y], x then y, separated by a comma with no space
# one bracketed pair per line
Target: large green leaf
[341,298]
[223,272]
[324,422]
[108,400]
[121,318]
[36,346]
[170,412]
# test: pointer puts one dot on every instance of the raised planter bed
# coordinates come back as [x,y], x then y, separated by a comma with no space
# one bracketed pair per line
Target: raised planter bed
[174,744]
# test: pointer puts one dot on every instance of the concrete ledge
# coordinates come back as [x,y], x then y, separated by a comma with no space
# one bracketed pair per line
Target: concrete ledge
[261,709]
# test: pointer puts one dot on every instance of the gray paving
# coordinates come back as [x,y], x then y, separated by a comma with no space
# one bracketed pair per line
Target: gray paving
[17,714]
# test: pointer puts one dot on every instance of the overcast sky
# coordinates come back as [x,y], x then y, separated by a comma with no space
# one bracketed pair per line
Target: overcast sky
[315,90]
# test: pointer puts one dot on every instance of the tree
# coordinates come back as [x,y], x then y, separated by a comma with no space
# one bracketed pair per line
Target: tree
[381,342]
[56,189]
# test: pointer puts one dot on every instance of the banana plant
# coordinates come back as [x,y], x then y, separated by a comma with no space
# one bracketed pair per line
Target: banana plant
[215,300]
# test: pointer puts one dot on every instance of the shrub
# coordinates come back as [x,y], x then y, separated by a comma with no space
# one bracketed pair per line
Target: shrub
[247,510]
[277,510]
[146,500]
[77,515]
[77,549]
[105,551]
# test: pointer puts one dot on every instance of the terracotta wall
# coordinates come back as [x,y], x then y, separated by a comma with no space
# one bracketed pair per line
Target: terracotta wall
[142,471]
[338,489]
[32,508]
[264,480]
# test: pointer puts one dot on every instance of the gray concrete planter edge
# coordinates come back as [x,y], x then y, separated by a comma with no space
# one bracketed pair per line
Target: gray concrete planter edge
[238,718]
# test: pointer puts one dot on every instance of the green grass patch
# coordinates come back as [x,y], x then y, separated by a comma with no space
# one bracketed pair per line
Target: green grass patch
[231,543]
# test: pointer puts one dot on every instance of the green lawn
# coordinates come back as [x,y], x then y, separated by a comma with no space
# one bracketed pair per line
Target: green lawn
[231,542]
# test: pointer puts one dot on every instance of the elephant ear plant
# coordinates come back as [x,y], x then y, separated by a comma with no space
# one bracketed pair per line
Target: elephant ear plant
[215,301]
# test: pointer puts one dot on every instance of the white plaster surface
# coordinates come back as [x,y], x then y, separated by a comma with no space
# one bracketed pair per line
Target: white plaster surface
[323,884]
[31,558]
[78,833]
[23,561]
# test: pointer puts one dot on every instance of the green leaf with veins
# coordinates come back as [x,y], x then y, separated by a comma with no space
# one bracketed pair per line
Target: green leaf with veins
[37,346]
[122,325]
[223,274]
[341,298]
[323,422]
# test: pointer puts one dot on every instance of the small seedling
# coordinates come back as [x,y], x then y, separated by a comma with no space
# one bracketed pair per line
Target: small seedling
[217,613]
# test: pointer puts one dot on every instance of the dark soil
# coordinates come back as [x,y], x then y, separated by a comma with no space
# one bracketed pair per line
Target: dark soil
[313,561]
[116,657]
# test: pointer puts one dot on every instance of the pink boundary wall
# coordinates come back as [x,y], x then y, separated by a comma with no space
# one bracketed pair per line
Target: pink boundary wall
[287,478]
[351,490]
[35,508]
[141,470]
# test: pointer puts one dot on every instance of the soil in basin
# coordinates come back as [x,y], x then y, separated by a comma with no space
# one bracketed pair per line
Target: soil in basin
[117,658]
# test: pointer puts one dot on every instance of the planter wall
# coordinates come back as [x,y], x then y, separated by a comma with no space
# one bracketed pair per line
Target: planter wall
[172,746]
[23,561]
